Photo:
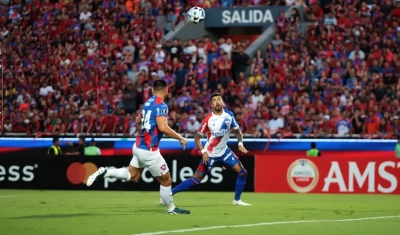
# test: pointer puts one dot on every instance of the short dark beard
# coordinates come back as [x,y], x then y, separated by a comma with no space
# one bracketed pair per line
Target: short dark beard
[218,112]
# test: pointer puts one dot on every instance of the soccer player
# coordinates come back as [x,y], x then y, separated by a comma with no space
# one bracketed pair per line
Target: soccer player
[152,124]
[216,126]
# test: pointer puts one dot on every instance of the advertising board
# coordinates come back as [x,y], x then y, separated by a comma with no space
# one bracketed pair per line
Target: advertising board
[67,172]
[294,174]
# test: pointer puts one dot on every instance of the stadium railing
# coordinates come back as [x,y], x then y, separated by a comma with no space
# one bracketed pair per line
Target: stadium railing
[293,136]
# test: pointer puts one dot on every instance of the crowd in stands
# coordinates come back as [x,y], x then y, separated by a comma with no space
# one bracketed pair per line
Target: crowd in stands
[86,67]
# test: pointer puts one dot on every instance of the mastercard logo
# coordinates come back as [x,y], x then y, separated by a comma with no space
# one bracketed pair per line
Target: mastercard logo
[78,173]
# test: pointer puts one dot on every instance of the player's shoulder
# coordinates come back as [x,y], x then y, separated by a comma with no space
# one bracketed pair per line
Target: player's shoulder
[208,117]
[230,113]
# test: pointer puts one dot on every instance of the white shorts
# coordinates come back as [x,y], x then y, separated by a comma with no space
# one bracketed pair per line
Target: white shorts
[153,160]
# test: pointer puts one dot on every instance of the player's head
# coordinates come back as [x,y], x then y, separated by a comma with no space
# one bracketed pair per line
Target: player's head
[217,104]
[160,88]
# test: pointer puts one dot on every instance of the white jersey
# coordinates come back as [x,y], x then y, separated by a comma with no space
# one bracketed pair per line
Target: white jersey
[217,129]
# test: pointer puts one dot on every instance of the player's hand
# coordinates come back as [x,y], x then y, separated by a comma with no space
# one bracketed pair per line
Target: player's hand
[183,142]
[205,157]
[243,149]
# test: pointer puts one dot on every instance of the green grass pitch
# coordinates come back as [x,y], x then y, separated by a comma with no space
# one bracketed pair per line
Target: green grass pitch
[28,212]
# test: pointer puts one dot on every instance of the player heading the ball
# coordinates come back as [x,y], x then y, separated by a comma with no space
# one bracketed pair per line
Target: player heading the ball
[152,124]
[216,126]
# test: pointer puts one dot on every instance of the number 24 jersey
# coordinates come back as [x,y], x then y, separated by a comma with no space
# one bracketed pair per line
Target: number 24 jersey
[150,136]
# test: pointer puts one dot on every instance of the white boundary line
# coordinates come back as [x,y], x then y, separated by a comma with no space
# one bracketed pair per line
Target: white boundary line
[1,196]
[266,224]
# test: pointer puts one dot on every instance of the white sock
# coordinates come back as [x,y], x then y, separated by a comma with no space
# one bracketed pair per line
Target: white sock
[166,195]
[121,174]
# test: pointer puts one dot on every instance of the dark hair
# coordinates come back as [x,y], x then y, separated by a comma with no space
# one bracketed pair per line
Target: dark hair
[214,95]
[159,85]
[313,145]
[55,139]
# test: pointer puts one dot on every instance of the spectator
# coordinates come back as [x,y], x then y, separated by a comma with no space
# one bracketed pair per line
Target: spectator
[193,125]
[171,22]
[129,99]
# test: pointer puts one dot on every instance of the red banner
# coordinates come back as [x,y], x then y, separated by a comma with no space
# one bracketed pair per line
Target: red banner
[291,174]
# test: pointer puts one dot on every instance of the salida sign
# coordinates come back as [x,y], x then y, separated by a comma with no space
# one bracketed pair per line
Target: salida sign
[327,175]
[242,16]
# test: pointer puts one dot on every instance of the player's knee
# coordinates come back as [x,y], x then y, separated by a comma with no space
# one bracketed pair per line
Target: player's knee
[198,177]
[242,173]
[165,180]
[135,177]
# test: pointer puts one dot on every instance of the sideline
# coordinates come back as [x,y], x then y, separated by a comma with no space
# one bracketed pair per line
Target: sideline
[10,196]
[266,224]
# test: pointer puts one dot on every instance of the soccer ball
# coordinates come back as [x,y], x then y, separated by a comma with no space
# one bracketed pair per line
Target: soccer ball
[196,15]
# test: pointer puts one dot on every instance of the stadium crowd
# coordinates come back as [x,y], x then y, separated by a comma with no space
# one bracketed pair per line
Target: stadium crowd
[87,66]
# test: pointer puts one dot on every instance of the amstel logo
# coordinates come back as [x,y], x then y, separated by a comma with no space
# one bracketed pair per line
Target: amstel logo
[302,175]
[78,173]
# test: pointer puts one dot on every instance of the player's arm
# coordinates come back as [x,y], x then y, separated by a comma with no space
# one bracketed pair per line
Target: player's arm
[198,143]
[163,127]
[238,133]
[139,122]
[202,131]
[162,124]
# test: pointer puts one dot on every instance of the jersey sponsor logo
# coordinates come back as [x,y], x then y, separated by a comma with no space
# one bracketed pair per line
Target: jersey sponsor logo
[163,111]
[219,133]
[302,175]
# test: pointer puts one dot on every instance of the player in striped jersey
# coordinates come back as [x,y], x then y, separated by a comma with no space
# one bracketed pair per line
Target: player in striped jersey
[152,124]
[216,126]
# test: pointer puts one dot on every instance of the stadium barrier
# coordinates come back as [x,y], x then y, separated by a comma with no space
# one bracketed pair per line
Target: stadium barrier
[117,146]
[294,174]
[70,173]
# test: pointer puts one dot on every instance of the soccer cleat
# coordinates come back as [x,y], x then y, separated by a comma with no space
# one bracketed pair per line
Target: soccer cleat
[177,210]
[96,176]
[161,202]
[240,203]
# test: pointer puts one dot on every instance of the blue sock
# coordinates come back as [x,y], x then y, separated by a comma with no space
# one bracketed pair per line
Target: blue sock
[185,185]
[240,183]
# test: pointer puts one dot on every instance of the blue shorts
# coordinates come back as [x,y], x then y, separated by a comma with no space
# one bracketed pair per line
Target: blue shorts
[228,158]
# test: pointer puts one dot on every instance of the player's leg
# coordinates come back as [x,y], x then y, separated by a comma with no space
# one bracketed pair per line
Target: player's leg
[198,176]
[233,161]
[133,172]
[159,169]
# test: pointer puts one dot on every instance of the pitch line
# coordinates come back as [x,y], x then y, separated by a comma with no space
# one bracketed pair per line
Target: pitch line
[266,224]
[10,196]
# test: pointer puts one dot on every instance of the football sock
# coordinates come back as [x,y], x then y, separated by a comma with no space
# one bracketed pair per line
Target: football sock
[185,185]
[166,195]
[121,174]
[240,183]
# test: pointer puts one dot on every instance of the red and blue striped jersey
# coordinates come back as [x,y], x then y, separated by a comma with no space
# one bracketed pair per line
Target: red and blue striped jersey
[150,136]
[201,72]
